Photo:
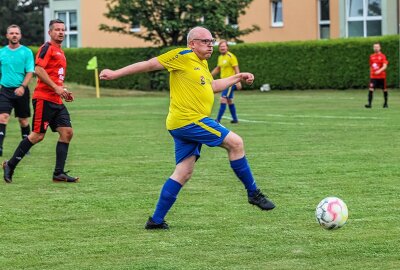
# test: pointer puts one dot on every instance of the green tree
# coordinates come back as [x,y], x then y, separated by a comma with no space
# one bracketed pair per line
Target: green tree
[167,22]
[28,14]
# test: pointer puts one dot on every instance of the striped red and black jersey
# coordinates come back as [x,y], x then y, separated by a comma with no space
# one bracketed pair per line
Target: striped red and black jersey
[52,59]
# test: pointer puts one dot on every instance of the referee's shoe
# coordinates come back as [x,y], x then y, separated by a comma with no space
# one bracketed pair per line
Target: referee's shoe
[8,172]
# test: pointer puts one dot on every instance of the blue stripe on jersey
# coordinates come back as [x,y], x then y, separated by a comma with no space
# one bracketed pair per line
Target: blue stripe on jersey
[185,52]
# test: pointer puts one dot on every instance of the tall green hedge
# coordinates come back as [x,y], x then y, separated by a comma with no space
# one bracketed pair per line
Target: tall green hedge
[323,64]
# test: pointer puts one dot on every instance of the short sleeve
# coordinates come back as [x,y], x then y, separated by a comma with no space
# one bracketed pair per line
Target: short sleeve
[43,55]
[385,61]
[29,62]
[174,59]
[234,61]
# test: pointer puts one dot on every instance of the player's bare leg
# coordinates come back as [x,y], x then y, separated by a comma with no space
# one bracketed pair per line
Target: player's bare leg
[233,143]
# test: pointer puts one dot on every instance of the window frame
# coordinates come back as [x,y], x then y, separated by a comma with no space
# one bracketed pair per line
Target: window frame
[323,22]
[68,32]
[272,4]
[364,18]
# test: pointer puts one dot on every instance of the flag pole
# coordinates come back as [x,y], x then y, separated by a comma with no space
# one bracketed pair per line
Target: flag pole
[96,75]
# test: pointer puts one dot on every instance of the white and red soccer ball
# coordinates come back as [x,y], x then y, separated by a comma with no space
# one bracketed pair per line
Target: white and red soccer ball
[331,213]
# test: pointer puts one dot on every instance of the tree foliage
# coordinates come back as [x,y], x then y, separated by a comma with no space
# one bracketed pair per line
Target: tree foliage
[166,22]
[27,14]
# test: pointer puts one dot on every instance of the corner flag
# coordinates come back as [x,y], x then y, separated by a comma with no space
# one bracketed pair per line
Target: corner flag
[92,65]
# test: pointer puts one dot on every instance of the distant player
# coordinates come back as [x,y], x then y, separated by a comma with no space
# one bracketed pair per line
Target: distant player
[192,91]
[227,65]
[378,64]
[17,67]
[49,110]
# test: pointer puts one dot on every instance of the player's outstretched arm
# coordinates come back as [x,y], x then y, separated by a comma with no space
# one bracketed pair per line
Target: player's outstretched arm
[237,71]
[221,84]
[139,67]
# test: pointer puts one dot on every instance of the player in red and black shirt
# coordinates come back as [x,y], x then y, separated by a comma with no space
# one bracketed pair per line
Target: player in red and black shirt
[377,64]
[49,110]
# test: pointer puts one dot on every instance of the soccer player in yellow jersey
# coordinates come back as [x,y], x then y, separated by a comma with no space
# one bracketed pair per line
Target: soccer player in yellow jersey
[227,65]
[192,95]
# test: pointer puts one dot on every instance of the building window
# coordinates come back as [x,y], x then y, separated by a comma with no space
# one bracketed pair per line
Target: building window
[276,13]
[135,26]
[232,21]
[71,28]
[324,19]
[364,18]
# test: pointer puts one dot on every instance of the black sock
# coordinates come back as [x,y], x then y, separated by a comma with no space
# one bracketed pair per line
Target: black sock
[61,157]
[385,96]
[25,131]
[2,134]
[20,152]
[370,97]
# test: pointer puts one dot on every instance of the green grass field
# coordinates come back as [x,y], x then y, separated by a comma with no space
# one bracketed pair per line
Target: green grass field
[302,146]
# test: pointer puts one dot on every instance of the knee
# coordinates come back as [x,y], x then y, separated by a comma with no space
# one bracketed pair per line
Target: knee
[35,137]
[186,174]
[236,143]
[69,134]
[4,118]
[66,135]
[23,122]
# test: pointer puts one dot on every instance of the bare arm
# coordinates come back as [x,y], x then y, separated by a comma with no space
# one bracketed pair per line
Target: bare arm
[21,89]
[215,71]
[221,84]
[139,67]
[44,77]
[383,68]
[237,71]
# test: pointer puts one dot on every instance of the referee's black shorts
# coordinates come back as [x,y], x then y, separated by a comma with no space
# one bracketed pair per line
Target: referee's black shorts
[10,101]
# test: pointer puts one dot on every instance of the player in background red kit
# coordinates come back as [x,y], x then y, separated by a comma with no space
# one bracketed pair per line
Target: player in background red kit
[49,110]
[377,64]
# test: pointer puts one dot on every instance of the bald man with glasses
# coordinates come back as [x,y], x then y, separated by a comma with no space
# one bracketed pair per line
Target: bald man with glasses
[192,89]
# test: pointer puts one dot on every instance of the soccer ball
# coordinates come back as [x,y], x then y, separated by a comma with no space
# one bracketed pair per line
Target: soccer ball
[331,213]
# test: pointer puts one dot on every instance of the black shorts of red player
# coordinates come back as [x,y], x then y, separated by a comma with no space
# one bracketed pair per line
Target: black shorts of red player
[48,114]
[10,101]
[377,83]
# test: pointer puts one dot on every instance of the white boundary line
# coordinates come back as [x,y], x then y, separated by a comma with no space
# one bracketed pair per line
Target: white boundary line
[320,116]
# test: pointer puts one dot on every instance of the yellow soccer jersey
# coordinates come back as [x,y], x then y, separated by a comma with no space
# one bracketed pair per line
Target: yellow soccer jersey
[226,63]
[191,94]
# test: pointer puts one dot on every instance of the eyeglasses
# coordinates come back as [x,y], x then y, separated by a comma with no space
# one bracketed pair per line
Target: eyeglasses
[206,41]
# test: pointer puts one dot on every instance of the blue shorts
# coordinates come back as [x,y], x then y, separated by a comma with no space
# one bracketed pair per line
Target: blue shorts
[228,93]
[190,138]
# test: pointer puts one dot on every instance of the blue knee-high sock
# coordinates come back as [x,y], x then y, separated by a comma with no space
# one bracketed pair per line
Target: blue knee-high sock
[232,108]
[221,111]
[167,198]
[242,170]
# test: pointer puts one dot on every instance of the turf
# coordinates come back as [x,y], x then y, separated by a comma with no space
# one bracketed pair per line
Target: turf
[302,146]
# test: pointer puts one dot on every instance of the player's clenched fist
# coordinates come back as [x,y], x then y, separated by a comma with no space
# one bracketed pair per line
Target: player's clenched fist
[107,74]
[247,77]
